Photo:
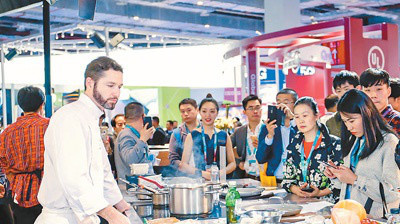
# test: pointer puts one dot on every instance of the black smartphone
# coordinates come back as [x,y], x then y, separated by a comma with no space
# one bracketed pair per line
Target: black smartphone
[308,189]
[147,120]
[276,114]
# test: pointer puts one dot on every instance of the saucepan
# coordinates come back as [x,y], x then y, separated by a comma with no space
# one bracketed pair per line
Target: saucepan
[160,198]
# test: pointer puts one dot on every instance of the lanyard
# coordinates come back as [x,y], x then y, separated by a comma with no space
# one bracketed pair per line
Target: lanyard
[355,154]
[304,164]
[205,145]
[248,145]
[133,130]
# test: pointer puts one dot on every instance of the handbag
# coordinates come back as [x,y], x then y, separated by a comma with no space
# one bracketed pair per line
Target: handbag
[368,203]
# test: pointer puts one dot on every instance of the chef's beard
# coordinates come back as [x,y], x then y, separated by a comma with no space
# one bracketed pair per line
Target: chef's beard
[101,101]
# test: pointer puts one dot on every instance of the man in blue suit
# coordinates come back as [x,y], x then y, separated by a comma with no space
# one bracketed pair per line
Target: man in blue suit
[274,138]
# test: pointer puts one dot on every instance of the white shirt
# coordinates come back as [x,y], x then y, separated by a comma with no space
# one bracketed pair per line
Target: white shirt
[253,169]
[77,174]
[285,133]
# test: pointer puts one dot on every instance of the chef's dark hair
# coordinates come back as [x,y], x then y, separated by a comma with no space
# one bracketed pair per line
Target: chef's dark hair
[96,68]
[30,98]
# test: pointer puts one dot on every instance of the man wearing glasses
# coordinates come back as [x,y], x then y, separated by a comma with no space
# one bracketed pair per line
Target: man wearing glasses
[245,139]
[275,138]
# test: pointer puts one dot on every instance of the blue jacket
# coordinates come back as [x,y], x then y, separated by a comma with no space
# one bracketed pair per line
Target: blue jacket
[271,153]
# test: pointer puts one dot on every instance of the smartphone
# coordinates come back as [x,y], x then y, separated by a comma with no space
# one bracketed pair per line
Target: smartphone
[326,164]
[308,189]
[147,120]
[276,114]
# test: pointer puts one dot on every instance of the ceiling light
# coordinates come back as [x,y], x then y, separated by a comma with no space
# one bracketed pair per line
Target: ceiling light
[162,39]
[147,37]
[200,3]
[136,18]
[126,35]
[62,35]
[258,32]
[207,26]
[72,33]
[88,35]
[148,45]
[154,36]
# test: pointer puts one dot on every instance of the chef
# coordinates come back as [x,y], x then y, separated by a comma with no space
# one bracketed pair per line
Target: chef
[78,185]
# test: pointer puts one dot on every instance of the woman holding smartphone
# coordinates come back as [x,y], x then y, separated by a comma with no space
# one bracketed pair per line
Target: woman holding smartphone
[368,147]
[312,144]
[202,146]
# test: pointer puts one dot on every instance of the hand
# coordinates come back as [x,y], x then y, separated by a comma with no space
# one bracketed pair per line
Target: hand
[113,216]
[344,174]
[297,190]
[328,170]
[271,128]
[2,191]
[206,175]
[315,193]
[145,133]
[241,165]
[254,140]
[122,206]
[286,110]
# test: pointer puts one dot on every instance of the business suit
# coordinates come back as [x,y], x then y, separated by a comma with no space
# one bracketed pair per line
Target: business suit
[271,153]
[238,139]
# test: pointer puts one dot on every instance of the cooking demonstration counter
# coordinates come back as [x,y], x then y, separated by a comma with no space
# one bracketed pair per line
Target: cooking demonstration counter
[288,203]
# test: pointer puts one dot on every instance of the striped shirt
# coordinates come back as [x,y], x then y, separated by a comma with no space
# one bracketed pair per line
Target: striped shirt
[21,156]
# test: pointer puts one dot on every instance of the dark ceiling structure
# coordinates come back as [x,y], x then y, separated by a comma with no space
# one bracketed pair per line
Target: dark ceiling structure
[164,23]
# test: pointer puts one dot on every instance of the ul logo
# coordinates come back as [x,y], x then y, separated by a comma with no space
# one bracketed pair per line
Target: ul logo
[376,58]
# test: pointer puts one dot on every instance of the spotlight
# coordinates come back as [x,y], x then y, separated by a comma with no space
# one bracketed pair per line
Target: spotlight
[116,39]
[11,54]
[97,40]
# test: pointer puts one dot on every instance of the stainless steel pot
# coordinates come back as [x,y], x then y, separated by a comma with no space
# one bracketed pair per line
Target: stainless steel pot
[190,199]
[160,198]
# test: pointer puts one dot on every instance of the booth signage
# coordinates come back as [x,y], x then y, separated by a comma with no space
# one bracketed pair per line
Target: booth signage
[363,52]
[253,73]
[376,58]
[304,70]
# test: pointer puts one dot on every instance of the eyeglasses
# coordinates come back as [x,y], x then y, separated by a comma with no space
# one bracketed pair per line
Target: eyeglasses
[257,108]
[285,102]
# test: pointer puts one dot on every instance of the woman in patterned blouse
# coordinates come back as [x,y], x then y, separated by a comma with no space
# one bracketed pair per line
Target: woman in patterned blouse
[303,172]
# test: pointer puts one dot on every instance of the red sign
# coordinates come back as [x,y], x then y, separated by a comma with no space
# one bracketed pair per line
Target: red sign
[252,78]
[363,53]
[337,51]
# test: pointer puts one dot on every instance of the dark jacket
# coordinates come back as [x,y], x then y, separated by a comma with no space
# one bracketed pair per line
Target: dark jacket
[271,153]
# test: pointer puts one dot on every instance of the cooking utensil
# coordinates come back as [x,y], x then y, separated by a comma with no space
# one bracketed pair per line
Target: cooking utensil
[287,209]
[152,181]
[268,195]
[246,192]
[190,199]
[267,215]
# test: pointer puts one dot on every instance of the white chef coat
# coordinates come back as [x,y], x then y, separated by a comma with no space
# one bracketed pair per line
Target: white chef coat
[77,175]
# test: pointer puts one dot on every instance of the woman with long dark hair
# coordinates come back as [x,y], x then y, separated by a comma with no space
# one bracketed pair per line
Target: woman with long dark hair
[368,147]
[202,146]
[312,144]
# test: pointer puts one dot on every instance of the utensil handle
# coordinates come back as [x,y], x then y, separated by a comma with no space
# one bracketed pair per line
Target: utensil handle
[127,182]
[152,181]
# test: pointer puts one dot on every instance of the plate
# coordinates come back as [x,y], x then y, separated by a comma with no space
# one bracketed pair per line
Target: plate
[246,192]
[289,209]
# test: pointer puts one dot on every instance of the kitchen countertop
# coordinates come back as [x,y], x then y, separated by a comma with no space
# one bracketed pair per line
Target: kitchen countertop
[146,210]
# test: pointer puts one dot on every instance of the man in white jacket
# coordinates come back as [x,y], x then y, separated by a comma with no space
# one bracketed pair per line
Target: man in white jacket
[78,185]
